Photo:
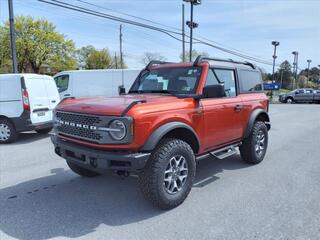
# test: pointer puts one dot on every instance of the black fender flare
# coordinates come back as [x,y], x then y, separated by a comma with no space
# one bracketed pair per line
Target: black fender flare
[254,115]
[161,131]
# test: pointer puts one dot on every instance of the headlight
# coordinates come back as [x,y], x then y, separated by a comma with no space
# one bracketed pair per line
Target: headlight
[117,130]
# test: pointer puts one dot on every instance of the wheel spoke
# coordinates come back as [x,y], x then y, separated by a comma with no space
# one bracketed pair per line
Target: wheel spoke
[175,174]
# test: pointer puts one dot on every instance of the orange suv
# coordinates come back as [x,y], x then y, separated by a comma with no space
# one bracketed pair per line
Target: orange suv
[173,115]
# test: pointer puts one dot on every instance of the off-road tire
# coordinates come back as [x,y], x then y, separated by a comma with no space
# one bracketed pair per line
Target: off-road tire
[13,133]
[81,171]
[151,179]
[44,130]
[247,149]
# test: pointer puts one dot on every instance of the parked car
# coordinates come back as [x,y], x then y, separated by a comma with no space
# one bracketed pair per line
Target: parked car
[303,95]
[93,83]
[26,103]
[173,115]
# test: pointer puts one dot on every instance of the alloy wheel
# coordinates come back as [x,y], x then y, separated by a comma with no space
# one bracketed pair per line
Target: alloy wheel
[176,174]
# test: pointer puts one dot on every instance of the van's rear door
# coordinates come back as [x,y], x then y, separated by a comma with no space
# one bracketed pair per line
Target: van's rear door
[40,107]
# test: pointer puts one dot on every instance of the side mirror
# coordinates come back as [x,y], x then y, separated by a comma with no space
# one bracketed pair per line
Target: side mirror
[121,90]
[296,92]
[213,91]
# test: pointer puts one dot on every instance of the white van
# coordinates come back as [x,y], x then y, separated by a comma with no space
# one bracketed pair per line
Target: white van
[26,103]
[93,83]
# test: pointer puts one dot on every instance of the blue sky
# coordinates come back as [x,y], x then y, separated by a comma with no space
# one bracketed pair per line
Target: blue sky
[249,26]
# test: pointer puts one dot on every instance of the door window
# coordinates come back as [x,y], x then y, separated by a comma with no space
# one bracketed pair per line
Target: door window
[250,81]
[62,82]
[224,77]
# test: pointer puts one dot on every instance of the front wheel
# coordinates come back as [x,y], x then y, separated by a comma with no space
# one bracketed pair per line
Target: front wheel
[168,176]
[253,148]
[289,100]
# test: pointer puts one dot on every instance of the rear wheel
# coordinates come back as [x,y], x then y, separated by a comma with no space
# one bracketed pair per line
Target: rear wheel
[168,176]
[44,131]
[253,148]
[8,132]
[81,171]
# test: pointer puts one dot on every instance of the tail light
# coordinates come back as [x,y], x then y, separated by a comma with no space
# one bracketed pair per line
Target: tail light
[25,100]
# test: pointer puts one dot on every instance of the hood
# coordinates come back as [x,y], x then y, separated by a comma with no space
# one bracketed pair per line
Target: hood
[115,106]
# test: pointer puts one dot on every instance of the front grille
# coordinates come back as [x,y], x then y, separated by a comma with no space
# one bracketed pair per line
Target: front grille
[72,127]
[91,128]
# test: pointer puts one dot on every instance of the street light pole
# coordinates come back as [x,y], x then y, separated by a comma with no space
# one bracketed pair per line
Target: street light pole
[191,32]
[183,37]
[275,44]
[295,68]
[308,61]
[12,38]
[192,24]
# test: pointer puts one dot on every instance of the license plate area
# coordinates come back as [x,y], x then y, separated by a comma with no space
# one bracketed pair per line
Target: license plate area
[80,157]
[41,114]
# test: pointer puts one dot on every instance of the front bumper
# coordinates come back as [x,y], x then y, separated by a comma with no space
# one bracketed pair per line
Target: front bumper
[99,160]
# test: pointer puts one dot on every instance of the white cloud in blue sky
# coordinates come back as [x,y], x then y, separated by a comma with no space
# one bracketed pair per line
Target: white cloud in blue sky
[249,26]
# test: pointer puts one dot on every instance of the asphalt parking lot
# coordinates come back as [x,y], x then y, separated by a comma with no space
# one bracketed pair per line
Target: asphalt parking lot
[40,198]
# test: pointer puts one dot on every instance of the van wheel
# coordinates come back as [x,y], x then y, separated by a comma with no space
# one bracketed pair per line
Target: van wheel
[81,171]
[168,176]
[8,132]
[44,130]
[253,148]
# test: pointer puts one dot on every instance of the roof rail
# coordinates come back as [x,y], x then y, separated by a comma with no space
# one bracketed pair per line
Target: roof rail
[155,62]
[201,58]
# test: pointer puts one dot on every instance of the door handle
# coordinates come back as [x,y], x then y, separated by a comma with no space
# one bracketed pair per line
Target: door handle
[53,101]
[67,95]
[238,108]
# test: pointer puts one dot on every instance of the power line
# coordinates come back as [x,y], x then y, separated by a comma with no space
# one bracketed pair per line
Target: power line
[128,15]
[144,19]
[165,31]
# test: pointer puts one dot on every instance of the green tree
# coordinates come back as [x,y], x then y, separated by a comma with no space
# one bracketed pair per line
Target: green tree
[285,73]
[38,45]
[194,55]
[82,55]
[89,57]
[99,59]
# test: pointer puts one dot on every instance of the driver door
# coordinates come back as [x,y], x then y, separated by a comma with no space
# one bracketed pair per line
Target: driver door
[222,116]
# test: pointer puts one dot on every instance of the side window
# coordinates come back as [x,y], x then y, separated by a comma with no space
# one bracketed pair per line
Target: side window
[211,78]
[227,78]
[300,91]
[309,91]
[250,81]
[62,82]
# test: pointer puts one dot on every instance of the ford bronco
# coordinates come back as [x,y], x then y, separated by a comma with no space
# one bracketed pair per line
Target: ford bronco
[173,115]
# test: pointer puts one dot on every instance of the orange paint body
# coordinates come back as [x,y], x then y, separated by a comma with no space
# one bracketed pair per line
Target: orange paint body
[214,120]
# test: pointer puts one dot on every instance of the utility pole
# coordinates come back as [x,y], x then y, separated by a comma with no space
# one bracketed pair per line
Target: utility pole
[183,37]
[308,61]
[192,24]
[12,38]
[121,56]
[116,60]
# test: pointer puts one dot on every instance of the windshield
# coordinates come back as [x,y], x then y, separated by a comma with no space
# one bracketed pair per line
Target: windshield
[179,80]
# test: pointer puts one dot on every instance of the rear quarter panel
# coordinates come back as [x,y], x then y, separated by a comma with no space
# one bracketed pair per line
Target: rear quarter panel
[251,102]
